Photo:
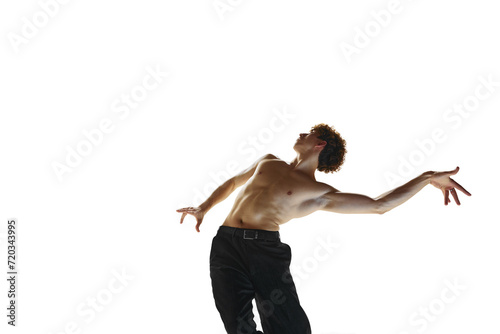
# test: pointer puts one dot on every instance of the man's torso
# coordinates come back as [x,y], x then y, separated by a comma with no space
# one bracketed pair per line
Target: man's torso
[275,194]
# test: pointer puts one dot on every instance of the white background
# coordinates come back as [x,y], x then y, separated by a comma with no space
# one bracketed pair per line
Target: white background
[229,73]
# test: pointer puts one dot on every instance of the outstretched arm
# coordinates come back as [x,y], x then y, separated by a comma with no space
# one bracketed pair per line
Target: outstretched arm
[221,193]
[339,202]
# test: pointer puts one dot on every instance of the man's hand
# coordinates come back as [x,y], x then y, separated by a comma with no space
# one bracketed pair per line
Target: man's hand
[197,212]
[443,181]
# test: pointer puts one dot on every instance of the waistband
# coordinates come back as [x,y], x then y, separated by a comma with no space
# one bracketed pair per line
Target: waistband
[252,234]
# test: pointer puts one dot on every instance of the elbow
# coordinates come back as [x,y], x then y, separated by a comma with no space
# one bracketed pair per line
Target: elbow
[232,184]
[381,212]
[381,207]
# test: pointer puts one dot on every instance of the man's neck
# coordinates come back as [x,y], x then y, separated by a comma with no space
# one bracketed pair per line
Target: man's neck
[305,163]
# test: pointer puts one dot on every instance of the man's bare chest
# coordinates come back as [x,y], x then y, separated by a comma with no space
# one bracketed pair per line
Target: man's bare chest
[277,180]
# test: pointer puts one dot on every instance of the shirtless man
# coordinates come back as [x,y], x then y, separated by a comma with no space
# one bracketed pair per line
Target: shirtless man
[248,259]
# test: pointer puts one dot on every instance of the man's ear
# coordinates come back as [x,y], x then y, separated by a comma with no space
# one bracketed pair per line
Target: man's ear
[321,145]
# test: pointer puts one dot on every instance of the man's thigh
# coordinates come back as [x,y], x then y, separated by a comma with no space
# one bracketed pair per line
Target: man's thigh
[276,296]
[232,288]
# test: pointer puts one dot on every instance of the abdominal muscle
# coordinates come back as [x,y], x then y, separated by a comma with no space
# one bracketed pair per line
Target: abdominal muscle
[258,208]
[271,197]
[248,218]
[254,210]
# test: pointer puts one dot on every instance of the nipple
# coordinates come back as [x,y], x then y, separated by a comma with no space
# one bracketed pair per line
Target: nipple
[289,192]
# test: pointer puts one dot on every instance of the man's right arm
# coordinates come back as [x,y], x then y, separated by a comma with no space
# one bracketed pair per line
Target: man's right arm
[222,192]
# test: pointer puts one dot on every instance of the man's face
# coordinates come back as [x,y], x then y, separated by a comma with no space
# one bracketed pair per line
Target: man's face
[306,142]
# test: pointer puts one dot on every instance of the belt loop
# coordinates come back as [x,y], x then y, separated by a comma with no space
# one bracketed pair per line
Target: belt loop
[233,233]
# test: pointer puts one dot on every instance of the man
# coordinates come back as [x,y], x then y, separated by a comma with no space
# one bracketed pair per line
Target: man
[248,260]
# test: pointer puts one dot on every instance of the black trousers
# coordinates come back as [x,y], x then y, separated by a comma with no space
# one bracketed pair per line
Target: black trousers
[248,264]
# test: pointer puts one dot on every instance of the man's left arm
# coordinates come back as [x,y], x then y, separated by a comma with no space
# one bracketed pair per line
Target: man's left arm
[355,203]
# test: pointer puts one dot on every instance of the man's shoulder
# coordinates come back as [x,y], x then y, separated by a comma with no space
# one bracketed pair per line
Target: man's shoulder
[325,188]
[270,156]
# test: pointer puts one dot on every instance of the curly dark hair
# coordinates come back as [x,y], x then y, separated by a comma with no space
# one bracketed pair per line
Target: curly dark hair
[332,156]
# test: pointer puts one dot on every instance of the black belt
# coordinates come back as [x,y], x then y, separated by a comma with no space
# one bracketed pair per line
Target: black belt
[252,234]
